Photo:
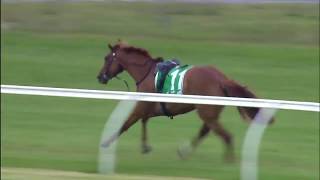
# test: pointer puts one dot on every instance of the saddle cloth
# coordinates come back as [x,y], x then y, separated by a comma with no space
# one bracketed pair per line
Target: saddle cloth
[173,81]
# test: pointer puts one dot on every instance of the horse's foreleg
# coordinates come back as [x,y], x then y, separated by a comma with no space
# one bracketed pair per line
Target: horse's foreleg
[145,147]
[133,118]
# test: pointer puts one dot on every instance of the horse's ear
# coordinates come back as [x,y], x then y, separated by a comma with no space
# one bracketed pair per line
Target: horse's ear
[122,42]
[110,47]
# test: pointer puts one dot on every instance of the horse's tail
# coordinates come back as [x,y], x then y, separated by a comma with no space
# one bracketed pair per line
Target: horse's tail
[233,89]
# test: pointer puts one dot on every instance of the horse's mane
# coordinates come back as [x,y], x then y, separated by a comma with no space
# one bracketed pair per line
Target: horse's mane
[143,52]
[131,49]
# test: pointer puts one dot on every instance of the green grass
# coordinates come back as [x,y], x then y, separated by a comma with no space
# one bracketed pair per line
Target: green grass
[271,48]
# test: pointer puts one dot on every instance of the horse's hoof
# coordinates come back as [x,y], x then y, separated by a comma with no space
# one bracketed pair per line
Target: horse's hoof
[146,149]
[182,155]
[184,151]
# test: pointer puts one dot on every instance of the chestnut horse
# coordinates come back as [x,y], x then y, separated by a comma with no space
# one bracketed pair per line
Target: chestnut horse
[198,81]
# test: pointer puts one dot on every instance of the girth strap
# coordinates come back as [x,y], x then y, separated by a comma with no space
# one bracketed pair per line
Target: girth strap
[165,111]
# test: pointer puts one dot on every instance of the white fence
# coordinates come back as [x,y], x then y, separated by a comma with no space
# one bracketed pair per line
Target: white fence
[250,149]
[155,97]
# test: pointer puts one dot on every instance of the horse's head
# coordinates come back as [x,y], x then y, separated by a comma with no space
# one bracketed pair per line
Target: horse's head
[136,61]
[111,67]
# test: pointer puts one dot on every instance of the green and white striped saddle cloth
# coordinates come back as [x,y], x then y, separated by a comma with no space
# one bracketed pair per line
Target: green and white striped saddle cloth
[173,83]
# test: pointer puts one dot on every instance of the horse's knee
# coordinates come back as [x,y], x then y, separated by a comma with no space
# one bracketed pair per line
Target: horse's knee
[227,137]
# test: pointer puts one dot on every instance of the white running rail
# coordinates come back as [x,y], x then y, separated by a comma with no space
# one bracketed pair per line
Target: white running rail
[155,97]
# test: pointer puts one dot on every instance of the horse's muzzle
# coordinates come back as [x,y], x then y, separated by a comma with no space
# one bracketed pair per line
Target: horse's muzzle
[103,78]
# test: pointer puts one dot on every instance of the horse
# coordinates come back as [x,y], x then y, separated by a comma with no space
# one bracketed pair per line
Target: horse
[199,80]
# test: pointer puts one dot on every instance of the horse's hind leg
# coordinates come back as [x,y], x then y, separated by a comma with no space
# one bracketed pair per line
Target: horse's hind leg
[210,116]
[227,138]
[145,147]
[204,130]
[186,150]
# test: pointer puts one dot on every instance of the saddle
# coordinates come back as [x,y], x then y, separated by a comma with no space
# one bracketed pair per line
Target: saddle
[162,70]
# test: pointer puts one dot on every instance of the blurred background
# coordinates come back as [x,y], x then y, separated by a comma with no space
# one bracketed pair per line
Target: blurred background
[270,46]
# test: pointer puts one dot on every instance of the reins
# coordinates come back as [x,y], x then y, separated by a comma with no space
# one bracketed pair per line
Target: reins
[145,76]
[125,82]
[138,82]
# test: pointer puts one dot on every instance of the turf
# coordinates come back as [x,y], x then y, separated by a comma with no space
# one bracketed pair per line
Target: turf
[273,49]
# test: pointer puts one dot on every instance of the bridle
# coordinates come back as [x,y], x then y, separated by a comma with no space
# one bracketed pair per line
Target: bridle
[109,64]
